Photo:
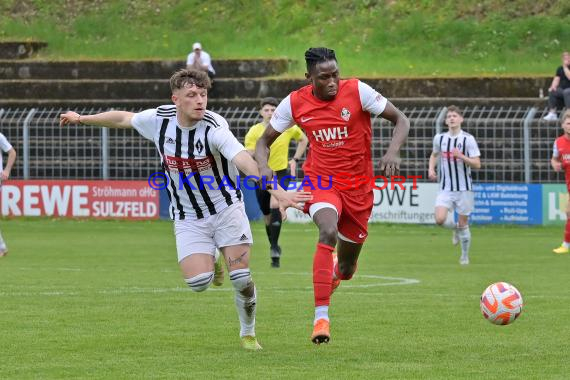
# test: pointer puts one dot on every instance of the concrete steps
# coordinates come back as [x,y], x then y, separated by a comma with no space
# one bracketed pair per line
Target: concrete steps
[149,69]
[20,49]
[254,102]
[229,88]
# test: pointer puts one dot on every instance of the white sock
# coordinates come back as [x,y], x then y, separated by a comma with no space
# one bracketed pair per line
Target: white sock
[321,312]
[246,299]
[566,244]
[2,243]
[464,235]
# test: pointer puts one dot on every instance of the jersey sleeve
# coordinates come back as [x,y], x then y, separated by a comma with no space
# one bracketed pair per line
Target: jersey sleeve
[472,147]
[436,147]
[4,144]
[190,59]
[555,151]
[282,118]
[372,101]
[251,138]
[145,123]
[224,141]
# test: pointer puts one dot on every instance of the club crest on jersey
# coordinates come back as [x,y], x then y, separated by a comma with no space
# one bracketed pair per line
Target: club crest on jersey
[199,146]
[345,114]
[459,146]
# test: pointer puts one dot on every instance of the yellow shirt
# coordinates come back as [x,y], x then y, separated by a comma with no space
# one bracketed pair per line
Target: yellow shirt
[279,154]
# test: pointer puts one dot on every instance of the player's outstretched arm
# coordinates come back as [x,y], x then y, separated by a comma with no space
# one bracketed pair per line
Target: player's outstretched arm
[111,119]
[390,162]
[246,164]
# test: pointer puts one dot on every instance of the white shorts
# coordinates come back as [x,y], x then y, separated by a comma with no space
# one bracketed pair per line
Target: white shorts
[462,201]
[229,227]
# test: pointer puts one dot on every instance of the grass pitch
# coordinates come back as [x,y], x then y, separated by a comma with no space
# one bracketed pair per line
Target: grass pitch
[105,299]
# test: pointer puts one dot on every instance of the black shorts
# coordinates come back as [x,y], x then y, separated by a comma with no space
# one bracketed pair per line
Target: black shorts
[263,196]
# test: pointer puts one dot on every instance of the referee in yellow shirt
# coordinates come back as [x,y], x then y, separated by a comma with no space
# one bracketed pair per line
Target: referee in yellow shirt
[278,162]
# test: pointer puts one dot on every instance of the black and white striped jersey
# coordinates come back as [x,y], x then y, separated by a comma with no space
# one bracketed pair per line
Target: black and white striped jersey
[196,161]
[454,175]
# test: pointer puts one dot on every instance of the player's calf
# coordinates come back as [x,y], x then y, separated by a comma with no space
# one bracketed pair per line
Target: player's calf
[246,300]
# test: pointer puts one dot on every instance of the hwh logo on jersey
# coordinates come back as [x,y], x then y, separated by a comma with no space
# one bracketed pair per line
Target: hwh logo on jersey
[331,134]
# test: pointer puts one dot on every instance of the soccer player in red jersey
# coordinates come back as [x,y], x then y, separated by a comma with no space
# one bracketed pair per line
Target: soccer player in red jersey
[335,116]
[561,161]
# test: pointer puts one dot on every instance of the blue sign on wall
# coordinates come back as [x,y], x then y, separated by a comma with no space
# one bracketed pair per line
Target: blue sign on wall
[503,203]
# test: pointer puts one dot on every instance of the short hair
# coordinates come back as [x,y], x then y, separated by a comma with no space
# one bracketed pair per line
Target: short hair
[186,77]
[565,115]
[455,109]
[318,55]
[269,100]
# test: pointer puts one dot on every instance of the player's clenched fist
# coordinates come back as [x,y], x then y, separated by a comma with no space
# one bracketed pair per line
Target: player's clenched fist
[69,117]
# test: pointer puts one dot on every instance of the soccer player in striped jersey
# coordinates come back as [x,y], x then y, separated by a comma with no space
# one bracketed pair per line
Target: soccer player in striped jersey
[561,162]
[6,148]
[458,153]
[336,117]
[279,163]
[199,155]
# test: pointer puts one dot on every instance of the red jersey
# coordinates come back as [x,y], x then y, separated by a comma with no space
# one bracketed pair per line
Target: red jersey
[561,151]
[338,130]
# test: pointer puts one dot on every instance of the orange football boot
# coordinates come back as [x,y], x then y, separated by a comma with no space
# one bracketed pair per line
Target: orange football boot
[321,332]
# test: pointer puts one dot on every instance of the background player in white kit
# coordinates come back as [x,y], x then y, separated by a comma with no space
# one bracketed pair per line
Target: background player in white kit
[6,148]
[458,153]
[199,155]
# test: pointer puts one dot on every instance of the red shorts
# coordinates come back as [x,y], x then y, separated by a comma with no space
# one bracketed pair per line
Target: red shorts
[354,210]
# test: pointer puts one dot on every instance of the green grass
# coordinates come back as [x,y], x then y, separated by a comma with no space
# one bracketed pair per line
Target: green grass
[103,299]
[372,37]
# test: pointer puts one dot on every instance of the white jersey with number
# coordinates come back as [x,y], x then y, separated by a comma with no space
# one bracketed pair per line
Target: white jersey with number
[5,146]
[454,174]
[197,161]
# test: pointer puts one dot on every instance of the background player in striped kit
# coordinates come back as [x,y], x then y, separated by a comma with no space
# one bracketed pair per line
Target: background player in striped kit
[278,162]
[6,148]
[561,161]
[458,153]
[199,155]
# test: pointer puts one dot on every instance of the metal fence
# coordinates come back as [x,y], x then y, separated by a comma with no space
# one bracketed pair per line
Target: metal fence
[515,143]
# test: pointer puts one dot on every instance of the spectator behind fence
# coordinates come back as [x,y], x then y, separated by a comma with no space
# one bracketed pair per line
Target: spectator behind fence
[200,60]
[559,90]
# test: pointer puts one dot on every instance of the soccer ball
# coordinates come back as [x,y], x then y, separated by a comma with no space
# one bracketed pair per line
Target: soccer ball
[501,303]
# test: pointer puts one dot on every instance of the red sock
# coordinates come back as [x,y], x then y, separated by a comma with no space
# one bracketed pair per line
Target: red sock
[322,274]
[567,232]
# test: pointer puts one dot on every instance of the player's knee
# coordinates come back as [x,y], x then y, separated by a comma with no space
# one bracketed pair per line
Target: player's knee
[200,282]
[439,220]
[328,235]
[346,271]
[242,282]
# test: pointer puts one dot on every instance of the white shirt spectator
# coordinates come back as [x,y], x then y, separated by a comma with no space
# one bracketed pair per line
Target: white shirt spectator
[204,58]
